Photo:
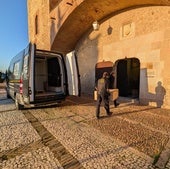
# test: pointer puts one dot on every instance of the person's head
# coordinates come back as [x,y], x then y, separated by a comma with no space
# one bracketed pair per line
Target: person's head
[112,73]
[105,75]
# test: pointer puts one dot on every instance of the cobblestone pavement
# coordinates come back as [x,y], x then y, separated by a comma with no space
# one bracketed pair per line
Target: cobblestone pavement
[69,136]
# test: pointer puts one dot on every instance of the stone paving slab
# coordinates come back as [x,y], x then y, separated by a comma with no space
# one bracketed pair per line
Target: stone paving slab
[35,159]
[62,137]
[92,148]
[15,130]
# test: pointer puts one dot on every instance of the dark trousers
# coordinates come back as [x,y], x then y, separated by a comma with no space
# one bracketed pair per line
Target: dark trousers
[115,103]
[105,99]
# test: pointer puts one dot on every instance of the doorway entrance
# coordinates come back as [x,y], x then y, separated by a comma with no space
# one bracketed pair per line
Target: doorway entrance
[128,75]
[101,67]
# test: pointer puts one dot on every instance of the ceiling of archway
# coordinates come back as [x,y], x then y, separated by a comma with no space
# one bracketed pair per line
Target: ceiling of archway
[81,19]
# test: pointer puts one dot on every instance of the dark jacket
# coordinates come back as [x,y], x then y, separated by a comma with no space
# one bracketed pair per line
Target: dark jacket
[103,86]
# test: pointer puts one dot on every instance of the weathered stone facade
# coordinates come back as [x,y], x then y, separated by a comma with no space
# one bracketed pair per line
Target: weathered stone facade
[39,8]
[148,40]
[141,32]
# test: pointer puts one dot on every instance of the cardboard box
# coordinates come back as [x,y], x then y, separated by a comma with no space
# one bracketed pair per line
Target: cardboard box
[95,95]
[114,94]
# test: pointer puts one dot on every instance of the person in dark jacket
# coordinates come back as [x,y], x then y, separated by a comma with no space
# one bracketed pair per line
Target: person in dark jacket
[103,94]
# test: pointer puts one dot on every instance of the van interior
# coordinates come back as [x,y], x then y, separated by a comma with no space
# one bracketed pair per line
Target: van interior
[48,76]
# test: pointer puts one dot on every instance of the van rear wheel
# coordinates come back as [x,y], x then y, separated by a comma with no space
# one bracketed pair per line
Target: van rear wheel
[8,96]
[17,105]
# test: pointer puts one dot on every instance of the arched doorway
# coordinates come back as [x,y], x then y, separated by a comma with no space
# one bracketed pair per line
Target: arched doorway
[128,73]
[101,67]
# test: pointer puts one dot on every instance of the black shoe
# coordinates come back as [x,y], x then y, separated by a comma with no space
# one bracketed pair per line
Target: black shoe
[110,113]
[117,104]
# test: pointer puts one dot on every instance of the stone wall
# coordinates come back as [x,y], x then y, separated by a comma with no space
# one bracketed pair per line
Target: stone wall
[143,33]
[39,8]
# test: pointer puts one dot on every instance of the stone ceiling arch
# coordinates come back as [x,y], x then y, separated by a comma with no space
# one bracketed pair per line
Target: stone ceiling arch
[80,20]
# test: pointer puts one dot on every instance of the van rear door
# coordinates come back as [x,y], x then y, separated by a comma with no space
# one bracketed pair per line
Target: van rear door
[25,76]
[73,76]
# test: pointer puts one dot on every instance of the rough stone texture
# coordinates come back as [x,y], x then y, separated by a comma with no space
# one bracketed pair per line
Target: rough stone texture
[39,8]
[123,140]
[148,40]
[41,158]
[142,33]
[72,19]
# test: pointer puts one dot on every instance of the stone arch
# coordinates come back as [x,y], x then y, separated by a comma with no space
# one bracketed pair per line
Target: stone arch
[83,13]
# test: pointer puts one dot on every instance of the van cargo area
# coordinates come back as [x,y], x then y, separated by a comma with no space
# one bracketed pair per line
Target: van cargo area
[38,77]
[48,77]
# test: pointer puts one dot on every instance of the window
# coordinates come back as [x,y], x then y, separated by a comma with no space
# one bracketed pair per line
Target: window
[10,70]
[36,25]
[16,71]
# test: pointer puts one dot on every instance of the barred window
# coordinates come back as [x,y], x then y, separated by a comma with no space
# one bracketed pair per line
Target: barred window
[36,25]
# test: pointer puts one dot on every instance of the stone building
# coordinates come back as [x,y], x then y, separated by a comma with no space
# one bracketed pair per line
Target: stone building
[133,36]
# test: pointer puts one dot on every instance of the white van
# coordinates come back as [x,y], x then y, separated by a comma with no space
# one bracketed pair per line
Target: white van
[38,77]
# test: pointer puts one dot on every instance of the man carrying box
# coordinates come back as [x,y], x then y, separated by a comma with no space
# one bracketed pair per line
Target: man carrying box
[103,94]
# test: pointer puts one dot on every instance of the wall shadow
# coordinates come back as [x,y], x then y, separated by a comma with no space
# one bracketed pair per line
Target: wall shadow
[160,93]
[147,97]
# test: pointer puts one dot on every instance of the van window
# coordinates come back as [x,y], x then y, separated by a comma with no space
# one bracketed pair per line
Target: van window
[36,24]
[10,70]
[16,70]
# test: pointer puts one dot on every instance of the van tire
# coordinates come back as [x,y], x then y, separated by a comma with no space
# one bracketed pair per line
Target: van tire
[17,105]
[8,96]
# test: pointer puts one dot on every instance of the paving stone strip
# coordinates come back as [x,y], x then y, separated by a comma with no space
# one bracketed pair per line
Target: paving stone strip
[59,151]
[61,137]
[89,145]
[164,157]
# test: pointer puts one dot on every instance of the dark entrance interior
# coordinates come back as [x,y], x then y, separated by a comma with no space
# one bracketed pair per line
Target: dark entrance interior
[101,67]
[128,72]
[54,78]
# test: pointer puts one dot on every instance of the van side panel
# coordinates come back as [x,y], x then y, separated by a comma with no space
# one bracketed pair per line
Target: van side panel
[14,75]
[37,77]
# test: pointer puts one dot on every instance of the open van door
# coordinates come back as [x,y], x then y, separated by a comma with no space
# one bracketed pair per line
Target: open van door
[73,77]
[25,75]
